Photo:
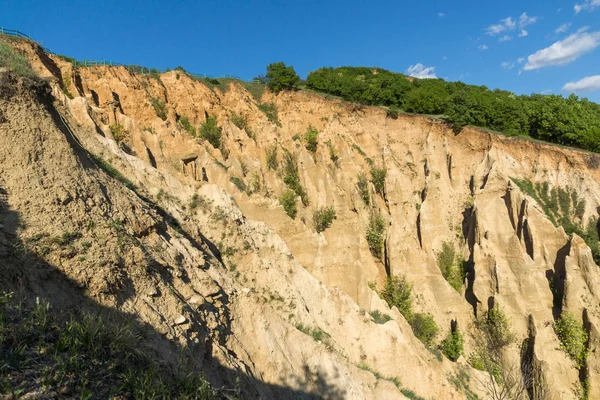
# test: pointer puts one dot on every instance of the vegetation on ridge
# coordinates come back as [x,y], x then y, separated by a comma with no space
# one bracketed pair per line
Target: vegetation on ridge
[567,121]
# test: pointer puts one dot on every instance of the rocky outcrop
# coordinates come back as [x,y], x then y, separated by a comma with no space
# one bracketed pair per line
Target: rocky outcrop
[232,248]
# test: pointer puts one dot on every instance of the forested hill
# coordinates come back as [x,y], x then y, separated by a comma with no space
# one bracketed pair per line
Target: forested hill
[568,121]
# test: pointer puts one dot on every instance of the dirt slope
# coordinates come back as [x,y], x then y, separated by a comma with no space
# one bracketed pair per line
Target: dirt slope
[204,262]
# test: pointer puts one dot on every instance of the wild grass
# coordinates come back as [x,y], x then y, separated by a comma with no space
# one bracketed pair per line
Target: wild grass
[84,356]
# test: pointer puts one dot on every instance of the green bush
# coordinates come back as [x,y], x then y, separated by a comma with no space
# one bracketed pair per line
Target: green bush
[160,108]
[288,201]
[270,110]
[378,180]
[453,345]
[573,337]
[397,292]
[333,154]
[323,217]
[186,125]
[363,188]
[211,132]
[379,317]
[280,77]
[291,176]
[494,325]
[425,328]
[374,234]
[15,62]
[453,269]
[271,153]
[238,183]
[311,137]
[118,131]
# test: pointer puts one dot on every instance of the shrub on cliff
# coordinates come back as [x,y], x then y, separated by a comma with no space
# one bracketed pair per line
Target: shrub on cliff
[280,77]
[573,337]
[288,201]
[211,132]
[374,234]
[323,217]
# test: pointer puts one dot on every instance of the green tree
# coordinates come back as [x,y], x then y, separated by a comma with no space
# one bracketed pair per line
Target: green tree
[280,77]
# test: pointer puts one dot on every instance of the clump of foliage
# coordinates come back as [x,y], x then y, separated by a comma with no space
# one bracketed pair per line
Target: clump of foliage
[271,153]
[573,337]
[270,110]
[288,201]
[374,234]
[86,356]
[291,176]
[397,292]
[195,201]
[363,188]
[453,345]
[311,139]
[160,108]
[378,179]
[15,62]
[379,317]
[567,121]
[238,183]
[323,218]
[186,125]
[242,123]
[453,269]
[118,131]
[495,327]
[333,154]
[211,132]
[425,328]
[280,77]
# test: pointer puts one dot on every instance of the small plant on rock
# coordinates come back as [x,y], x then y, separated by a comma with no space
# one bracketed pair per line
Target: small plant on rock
[211,132]
[288,201]
[323,217]
[374,235]
[311,139]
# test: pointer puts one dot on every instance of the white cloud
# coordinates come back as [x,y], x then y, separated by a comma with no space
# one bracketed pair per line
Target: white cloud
[525,20]
[504,25]
[441,14]
[547,91]
[507,65]
[420,71]
[587,5]
[520,60]
[564,51]
[587,84]
[444,58]
[508,24]
[483,47]
[563,28]
[505,38]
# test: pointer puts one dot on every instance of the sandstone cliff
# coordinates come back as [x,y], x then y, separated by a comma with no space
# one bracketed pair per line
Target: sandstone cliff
[202,250]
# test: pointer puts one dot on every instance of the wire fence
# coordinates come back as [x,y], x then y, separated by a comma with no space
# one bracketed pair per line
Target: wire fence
[132,68]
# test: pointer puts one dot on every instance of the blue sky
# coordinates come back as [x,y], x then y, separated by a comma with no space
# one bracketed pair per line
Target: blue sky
[522,46]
